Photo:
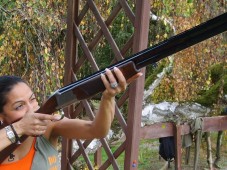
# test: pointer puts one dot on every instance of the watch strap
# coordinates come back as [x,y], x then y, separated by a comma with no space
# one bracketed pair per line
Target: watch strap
[16,135]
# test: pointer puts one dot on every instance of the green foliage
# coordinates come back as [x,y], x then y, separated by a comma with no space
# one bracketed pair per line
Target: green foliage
[217,71]
[225,84]
[173,7]
[218,89]
[165,92]
[152,72]
[209,97]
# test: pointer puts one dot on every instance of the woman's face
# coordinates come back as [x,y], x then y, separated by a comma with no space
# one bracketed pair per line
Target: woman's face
[20,100]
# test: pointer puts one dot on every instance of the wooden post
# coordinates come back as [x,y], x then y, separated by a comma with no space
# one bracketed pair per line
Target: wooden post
[136,88]
[70,54]
[177,141]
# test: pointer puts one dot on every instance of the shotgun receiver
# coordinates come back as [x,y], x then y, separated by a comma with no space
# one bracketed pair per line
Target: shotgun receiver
[91,85]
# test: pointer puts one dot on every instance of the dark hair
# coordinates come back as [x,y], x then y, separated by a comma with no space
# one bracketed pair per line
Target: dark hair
[6,85]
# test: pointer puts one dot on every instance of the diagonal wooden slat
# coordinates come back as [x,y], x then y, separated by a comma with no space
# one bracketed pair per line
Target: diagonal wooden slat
[116,154]
[85,48]
[123,98]
[110,155]
[128,10]
[103,141]
[85,155]
[121,119]
[125,48]
[98,36]
[79,151]
[105,30]
[82,14]
[77,109]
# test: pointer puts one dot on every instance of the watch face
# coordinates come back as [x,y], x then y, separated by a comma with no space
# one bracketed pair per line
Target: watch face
[10,134]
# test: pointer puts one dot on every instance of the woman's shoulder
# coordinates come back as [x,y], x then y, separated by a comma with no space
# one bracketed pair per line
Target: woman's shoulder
[42,143]
[45,153]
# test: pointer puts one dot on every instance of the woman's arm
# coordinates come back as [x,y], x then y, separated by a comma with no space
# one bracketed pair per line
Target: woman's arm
[85,129]
[4,139]
[32,124]
[99,127]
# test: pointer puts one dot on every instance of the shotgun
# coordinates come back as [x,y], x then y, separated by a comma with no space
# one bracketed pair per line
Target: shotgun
[91,85]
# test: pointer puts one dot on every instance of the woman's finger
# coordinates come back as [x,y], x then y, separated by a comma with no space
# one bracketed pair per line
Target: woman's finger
[41,116]
[121,79]
[131,79]
[115,81]
[110,77]
[109,81]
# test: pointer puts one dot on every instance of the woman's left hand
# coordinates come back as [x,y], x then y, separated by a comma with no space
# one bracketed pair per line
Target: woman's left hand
[116,85]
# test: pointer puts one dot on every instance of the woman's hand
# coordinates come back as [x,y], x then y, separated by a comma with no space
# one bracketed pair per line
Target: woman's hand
[34,124]
[116,85]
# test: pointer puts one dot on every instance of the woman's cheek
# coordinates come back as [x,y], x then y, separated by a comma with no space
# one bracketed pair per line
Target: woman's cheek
[36,106]
[14,117]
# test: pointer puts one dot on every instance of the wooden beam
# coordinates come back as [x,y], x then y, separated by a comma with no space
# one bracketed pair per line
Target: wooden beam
[216,123]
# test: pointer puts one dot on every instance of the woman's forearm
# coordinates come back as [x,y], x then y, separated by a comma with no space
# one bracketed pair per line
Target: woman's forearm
[104,116]
[84,129]
[4,139]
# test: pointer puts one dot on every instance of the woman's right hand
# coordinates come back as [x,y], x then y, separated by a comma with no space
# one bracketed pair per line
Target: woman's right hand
[34,124]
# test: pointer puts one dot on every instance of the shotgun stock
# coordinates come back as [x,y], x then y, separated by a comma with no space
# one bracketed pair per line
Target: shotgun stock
[91,85]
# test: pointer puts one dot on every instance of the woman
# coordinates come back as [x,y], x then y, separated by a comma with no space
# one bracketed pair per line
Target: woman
[18,102]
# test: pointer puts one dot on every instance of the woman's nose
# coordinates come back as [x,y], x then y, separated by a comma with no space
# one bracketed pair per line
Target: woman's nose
[31,107]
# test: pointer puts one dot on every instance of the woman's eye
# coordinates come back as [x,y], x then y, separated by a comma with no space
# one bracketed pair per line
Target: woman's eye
[19,107]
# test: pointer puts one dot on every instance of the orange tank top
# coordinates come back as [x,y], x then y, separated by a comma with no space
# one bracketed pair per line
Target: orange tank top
[23,164]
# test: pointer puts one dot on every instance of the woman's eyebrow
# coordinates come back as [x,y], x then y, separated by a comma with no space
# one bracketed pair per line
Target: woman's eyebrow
[32,95]
[19,101]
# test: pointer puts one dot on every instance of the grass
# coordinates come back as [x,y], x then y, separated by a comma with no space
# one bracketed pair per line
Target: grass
[149,158]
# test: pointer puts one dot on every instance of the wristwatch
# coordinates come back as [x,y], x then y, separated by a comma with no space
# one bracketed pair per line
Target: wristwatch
[10,134]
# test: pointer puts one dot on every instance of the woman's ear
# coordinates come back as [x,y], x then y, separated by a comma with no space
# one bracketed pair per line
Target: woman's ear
[1,120]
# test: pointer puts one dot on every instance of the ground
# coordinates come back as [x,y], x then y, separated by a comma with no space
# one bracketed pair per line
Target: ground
[149,159]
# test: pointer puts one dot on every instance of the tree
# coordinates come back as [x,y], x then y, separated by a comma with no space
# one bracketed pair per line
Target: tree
[32,42]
